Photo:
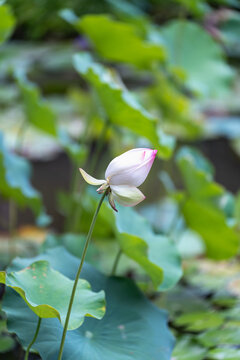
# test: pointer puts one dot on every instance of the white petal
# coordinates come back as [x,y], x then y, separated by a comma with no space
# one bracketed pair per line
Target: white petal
[131,168]
[127,195]
[91,180]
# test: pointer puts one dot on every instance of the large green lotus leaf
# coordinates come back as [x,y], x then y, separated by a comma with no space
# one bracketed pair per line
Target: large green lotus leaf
[121,107]
[47,293]
[155,253]
[116,40]
[15,180]
[7,22]
[204,66]
[132,329]
[221,241]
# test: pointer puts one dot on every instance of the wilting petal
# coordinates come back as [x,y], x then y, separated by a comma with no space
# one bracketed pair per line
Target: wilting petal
[91,180]
[111,201]
[131,168]
[127,195]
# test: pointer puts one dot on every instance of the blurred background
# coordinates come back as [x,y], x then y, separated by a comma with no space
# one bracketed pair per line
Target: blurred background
[82,82]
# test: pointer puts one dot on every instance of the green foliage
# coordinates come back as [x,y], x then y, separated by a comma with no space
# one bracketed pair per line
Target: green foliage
[148,77]
[7,343]
[183,300]
[127,9]
[203,65]
[116,40]
[205,328]
[188,350]
[225,353]
[155,253]
[131,324]
[38,113]
[196,7]
[42,19]
[105,223]
[224,336]
[200,205]
[197,175]
[77,152]
[174,107]
[199,321]
[190,244]
[15,180]
[73,243]
[7,22]
[47,293]
[121,108]
[221,240]
[230,29]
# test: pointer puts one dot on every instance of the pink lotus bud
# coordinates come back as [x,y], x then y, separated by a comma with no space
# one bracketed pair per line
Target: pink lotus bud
[123,175]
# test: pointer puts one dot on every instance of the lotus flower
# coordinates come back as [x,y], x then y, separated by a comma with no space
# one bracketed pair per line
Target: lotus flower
[123,175]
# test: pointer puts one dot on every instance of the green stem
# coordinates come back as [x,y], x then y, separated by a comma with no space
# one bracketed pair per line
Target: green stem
[34,339]
[78,274]
[115,264]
